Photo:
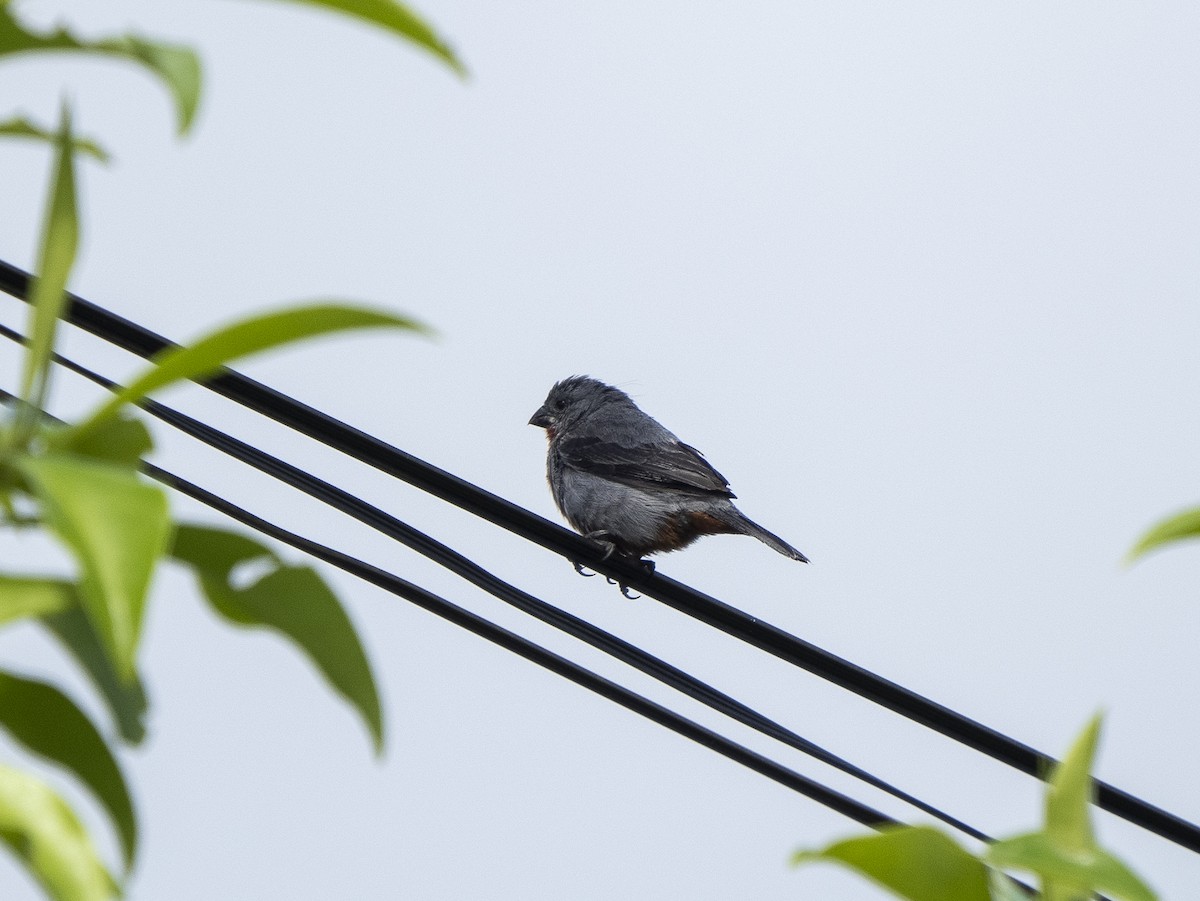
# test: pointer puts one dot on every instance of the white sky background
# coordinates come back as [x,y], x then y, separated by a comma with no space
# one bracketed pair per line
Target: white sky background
[920,279]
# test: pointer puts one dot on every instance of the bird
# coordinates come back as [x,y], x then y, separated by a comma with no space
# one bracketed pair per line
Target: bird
[623,480]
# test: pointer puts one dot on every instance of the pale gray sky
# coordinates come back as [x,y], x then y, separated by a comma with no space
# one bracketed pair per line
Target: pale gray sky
[920,279]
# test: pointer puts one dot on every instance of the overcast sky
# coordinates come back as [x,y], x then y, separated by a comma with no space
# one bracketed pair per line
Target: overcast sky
[919,278]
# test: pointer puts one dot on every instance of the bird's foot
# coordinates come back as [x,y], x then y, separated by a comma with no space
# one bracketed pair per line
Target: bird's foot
[608,541]
[647,565]
[605,540]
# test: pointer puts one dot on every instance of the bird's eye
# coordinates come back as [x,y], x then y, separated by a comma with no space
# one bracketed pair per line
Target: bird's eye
[560,404]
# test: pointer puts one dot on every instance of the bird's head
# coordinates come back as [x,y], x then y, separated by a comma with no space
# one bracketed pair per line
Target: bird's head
[571,400]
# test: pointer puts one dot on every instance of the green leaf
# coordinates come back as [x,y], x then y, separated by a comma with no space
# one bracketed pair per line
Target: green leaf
[292,600]
[117,526]
[177,67]
[20,127]
[22,596]
[41,829]
[1065,854]
[1077,874]
[1179,527]
[56,256]
[234,342]
[919,863]
[123,440]
[126,699]
[209,549]
[1069,796]
[1004,888]
[398,19]
[48,723]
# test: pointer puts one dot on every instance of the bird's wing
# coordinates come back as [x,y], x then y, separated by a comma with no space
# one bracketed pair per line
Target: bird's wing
[672,465]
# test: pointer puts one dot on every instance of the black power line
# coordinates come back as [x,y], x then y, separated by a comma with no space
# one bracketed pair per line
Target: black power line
[429,547]
[547,659]
[510,641]
[380,455]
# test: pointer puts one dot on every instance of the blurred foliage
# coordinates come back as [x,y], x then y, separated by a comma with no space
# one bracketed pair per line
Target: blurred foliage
[291,600]
[917,862]
[81,483]
[1180,527]
[922,863]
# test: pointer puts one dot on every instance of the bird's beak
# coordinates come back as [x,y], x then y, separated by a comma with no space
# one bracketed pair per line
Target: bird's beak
[541,418]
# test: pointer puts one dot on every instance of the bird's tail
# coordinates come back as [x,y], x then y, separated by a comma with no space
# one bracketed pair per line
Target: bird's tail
[747,526]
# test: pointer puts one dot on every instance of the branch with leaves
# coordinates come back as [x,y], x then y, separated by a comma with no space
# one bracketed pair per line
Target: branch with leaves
[80,483]
[921,863]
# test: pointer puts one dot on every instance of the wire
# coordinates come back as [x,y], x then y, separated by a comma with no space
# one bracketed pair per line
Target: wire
[426,600]
[477,575]
[510,641]
[380,455]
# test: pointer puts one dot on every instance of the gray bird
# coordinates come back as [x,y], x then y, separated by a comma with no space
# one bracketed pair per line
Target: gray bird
[623,480]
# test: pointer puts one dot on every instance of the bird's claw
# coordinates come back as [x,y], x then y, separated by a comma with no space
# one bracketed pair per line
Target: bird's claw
[647,565]
[605,540]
